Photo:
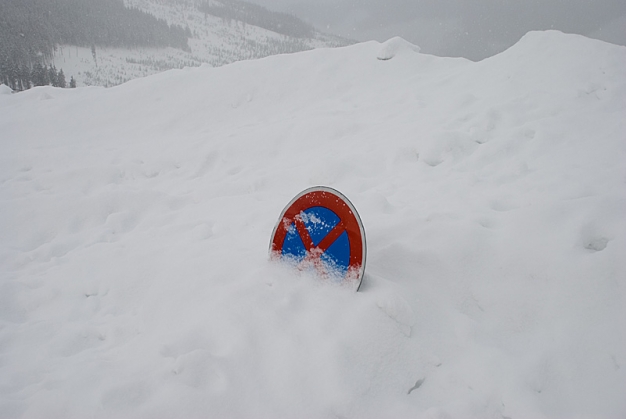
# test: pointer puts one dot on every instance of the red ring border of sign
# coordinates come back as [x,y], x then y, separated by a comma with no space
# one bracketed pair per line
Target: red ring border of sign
[337,202]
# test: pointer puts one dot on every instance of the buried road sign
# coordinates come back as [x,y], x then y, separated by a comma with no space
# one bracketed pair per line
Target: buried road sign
[321,229]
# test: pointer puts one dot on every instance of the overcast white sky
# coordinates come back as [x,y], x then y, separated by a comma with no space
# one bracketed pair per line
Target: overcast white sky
[471,28]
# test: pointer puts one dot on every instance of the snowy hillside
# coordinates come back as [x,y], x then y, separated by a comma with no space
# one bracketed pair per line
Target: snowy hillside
[215,41]
[134,274]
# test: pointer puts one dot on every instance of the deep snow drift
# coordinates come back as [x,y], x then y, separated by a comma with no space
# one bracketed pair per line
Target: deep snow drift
[135,225]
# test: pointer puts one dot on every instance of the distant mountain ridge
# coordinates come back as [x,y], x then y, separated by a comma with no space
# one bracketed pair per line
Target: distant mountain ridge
[256,15]
[162,35]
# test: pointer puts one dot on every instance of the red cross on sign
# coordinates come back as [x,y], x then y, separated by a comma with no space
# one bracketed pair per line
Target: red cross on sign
[320,228]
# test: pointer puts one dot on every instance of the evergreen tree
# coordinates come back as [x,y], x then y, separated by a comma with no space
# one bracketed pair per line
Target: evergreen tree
[61,79]
[13,75]
[4,71]
[52,76]
[8,76]
[72,82]
[23,75]
[39,75]
[93,54]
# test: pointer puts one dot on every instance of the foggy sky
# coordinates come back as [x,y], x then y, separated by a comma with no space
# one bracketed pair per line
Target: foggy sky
[470,28]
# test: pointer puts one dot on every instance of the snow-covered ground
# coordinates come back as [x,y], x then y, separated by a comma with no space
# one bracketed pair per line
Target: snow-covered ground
[135,223]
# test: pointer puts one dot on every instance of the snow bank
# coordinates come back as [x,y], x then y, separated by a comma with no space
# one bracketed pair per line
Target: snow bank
[135,280]
[394,46]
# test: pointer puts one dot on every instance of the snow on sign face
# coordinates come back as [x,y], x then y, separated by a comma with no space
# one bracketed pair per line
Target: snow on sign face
[321,230]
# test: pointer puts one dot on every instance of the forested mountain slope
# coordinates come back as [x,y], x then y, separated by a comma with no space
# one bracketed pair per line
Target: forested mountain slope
[107,42]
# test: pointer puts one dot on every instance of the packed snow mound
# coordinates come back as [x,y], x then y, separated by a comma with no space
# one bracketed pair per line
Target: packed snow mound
[394,46]
[5,90]
[134,275]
